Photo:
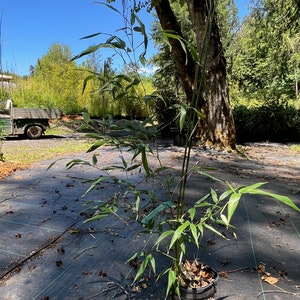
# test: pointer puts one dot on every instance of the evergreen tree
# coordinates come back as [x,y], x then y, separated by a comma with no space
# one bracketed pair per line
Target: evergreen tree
[261,64]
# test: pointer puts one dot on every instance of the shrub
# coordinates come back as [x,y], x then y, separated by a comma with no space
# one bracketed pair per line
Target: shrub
[275,121]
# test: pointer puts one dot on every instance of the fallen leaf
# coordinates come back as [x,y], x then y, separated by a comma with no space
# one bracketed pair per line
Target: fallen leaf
[86,272]
[224,262]
[74,230]
[61,250]
[223,274]
[102,273]
[211,243]
[261,269]
[59,263]
[269,279]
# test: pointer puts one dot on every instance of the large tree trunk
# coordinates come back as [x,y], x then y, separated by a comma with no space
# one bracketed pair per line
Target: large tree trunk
[184,61]
[217,130]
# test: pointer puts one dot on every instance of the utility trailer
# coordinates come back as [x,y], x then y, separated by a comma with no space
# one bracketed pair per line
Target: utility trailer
[31,122]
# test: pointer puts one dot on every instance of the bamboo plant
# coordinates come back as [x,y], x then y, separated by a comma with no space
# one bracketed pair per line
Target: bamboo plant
[176,221]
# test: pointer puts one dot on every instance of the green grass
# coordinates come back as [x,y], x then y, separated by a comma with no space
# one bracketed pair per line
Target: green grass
[31,153]
[295,147]
[58,130]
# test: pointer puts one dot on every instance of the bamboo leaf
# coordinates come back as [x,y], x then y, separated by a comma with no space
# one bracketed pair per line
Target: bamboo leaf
[232,205]
[137,29]
[132,18]
[182,117]
[97,144]
[214,195]
[164,235]
[194,232]
[94,184]
[133,167]
[284,199]
[94,160]
[225,220]
[143,266]
[124,162]
[172,281]
[192,212]
[209,227]
[105,211]
[137,201]
[75,162]
[134,82]
[251,187]
[153,263]
[156,211]
[161,169]
[178,233]
[94,135]
[85,82]
[201,200]
[199,114]
[88,51]
[145,162]
[91,35]
[108,5]
[225,194]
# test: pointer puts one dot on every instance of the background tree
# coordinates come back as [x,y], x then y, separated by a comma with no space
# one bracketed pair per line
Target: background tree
[294,46]
[55,82]
[261,64]
[62,78]
[218,125]
[166,78]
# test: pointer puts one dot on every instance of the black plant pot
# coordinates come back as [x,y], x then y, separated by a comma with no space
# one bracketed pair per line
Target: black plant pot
[187,293]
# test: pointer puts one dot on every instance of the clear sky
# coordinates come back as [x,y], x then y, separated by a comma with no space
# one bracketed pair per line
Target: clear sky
[29,28]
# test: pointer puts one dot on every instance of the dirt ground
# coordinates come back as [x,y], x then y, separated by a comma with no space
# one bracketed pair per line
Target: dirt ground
[7,168]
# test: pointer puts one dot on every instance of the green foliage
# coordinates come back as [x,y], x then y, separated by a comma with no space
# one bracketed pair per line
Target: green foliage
[274,121]
[123,94]
[4,93]
[54,82]
[295,147]
[260,68]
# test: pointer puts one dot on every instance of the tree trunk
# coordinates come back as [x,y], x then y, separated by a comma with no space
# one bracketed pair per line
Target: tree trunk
[217,130]
[184,61]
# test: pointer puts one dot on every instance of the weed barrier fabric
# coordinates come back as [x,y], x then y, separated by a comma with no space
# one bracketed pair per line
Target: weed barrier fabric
[41,212]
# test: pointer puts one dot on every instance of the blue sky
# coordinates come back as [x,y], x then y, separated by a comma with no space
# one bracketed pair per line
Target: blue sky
[29,28]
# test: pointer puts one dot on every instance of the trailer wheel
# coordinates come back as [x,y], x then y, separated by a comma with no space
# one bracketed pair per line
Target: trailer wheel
[34,132]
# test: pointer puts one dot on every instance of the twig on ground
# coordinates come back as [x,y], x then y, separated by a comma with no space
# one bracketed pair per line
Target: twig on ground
[280,290]
[236,270]
[18,266]
[83,250]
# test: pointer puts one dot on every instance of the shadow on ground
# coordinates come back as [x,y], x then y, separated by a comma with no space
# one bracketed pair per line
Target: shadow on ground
[48,252]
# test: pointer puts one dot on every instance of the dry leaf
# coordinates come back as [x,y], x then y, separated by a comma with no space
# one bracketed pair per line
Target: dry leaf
[59,263]
[269,279]
[261,269]
[224,274]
